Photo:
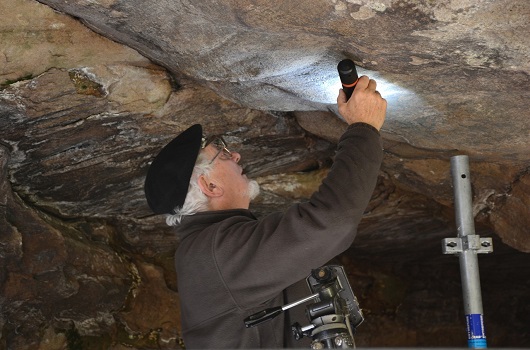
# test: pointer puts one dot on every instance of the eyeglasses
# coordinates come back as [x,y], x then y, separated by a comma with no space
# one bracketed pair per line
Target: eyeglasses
[218,142]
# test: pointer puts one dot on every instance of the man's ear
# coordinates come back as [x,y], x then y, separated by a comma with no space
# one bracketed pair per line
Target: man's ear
[209,188]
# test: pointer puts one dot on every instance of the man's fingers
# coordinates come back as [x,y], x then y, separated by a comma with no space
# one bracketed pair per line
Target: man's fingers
[362,83]
[366,83]
[372,85]
[341,98]
[366,104]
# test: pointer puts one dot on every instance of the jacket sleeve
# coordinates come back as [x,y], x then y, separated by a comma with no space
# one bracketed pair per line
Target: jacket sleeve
[257,259]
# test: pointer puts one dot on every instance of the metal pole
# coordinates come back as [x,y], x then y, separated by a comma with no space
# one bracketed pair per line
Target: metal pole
[467,245]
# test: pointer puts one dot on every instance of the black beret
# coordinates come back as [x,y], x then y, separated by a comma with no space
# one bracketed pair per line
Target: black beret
[168,176]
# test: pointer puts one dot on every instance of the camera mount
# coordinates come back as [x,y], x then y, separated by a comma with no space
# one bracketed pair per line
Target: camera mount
[333,316]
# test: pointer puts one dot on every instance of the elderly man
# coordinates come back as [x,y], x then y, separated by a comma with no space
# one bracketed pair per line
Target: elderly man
[229,263]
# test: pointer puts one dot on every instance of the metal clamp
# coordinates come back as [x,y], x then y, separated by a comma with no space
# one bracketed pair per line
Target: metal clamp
[469,242]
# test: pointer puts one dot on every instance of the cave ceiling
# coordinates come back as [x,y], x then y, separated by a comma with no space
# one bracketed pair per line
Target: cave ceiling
[91,90]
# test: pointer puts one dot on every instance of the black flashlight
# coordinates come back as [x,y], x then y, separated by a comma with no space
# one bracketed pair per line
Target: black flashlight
[348,76]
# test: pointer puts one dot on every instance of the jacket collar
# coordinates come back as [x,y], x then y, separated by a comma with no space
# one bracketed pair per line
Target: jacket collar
[199,221]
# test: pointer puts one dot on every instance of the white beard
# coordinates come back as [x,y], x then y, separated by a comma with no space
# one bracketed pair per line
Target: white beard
[253,189]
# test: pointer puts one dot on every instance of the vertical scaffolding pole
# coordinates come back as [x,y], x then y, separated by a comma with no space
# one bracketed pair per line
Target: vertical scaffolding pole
[467,245]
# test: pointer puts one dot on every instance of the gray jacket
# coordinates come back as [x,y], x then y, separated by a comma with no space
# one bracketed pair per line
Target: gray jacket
[230,264]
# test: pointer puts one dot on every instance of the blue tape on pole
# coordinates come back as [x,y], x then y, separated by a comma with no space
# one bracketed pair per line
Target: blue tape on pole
[475,332]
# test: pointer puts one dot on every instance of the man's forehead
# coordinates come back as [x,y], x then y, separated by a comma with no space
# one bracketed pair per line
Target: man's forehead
[209,149]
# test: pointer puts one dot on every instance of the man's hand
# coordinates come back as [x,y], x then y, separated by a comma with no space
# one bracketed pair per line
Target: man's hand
[365,104]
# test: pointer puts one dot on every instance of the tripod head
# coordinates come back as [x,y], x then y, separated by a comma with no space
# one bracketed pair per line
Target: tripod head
[333,316]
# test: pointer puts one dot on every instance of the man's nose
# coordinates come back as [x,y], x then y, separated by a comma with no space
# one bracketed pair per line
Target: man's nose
[236,156]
